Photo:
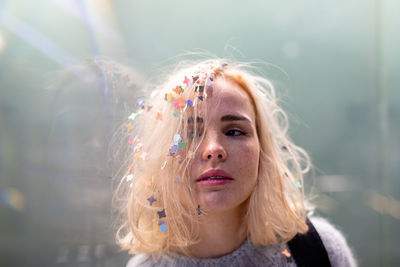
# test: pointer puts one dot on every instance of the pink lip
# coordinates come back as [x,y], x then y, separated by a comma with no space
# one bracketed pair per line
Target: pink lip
[224,178]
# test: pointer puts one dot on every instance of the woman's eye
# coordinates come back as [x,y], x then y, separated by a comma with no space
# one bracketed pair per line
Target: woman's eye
[234,132]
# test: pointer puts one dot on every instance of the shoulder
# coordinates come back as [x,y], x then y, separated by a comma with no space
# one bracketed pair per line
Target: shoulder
[335,243]
[140,260]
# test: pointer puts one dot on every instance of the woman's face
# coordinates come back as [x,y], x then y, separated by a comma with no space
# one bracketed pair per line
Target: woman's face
[225,168]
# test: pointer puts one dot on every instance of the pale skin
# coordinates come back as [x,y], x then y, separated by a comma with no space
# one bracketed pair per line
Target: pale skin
[230,144]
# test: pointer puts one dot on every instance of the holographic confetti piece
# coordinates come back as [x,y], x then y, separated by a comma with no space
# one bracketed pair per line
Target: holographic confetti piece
[138,147]
[161,213]
[137,157]
[286,253]
[140,102]
[169,96]
[163,226]
[176,114]
[129,177]
[174,149]
[198,210]
[132,116]
[129,127]
[151,199]
[186,81]
[131,140]
[176,179]
[176,105]
[177,90]
[177,138]
[297,184]
[181,145]
[189,103]
[130,169]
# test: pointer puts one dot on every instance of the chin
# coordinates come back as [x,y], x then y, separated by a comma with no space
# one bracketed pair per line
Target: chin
[218,201]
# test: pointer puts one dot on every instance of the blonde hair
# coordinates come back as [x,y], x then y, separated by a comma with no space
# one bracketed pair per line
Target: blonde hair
[275,210]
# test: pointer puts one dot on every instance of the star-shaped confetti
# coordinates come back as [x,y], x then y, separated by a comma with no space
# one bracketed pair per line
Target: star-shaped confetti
[132,116]
[177,90]
[129,177]
[129,127]
[163,226]
[287,254]
[161,213]
[186,81]
[151,200]
[297,184]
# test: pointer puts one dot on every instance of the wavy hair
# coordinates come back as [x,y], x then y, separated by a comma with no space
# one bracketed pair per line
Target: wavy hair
[154,176]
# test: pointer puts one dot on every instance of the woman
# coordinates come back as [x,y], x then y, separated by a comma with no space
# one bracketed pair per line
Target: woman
[214,180]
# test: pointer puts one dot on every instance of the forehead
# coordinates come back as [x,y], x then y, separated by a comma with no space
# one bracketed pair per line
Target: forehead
[229,97]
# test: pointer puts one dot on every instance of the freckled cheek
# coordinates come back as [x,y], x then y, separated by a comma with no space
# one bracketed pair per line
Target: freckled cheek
[247,158]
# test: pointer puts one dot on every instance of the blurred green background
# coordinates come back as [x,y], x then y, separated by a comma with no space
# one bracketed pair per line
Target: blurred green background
[334,64]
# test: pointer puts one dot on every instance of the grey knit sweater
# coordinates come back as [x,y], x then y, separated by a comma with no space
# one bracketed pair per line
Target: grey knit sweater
[249,254]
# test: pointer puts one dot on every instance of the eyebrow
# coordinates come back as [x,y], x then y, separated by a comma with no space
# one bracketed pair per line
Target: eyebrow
[231,117]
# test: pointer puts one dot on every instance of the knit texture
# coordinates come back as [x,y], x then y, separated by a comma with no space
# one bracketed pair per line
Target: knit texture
[250,255]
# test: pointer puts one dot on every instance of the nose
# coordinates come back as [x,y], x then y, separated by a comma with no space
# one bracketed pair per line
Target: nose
[213,149]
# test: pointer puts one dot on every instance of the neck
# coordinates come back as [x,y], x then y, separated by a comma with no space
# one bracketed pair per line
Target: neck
[220,234]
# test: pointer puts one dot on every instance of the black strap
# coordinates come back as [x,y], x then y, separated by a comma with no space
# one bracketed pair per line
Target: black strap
[308,250]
